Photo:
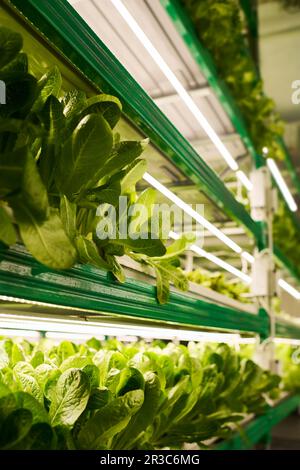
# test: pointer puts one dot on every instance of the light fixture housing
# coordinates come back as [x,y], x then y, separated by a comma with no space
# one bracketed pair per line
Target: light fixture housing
[59,329]
[244,180]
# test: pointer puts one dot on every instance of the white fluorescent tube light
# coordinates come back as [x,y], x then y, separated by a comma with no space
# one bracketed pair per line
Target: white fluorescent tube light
[137,30]
[190,211]
[248,257]
[295,342]
[244,180]
[247,340]
[288,288]
[70,336]
[282,184]
[45,325]
[56,329]
[24,334]
[214,259]
[228,267]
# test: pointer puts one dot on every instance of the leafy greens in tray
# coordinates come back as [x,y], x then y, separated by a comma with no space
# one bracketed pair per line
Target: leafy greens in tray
[111,395]
[60,159]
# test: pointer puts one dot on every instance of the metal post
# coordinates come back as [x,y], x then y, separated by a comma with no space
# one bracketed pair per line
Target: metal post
[189,262]
[263,272]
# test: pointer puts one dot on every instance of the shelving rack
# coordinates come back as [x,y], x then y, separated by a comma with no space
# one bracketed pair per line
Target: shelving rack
[89,292]
[67,32]
[204,60]
[91,289]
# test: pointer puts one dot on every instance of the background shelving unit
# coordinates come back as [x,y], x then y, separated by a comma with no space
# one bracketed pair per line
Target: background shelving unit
[204,60]
[56,30]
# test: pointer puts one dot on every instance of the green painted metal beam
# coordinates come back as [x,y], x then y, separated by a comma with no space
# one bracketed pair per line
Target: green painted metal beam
[72,38]
[250,9]
[261,426]
[88,288]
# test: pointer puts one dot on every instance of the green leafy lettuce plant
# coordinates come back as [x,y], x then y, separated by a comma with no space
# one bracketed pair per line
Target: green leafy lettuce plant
[110,395]
[216,281]
[60,158]
[289,357]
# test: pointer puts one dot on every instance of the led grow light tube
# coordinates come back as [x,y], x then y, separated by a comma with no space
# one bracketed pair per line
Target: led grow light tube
[82,337]
[248,257]
[190,211]
[282,184]
[169,74]
[223,264]
[25,334]
[61,329]
[214,259]
[244,180]
[288,288]
[295,342]
[73,336]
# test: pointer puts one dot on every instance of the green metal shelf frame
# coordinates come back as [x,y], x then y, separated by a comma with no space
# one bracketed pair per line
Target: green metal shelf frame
[250,10]
[84,286]
[205,61]
[89,288]
[261,426]
[71,37]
